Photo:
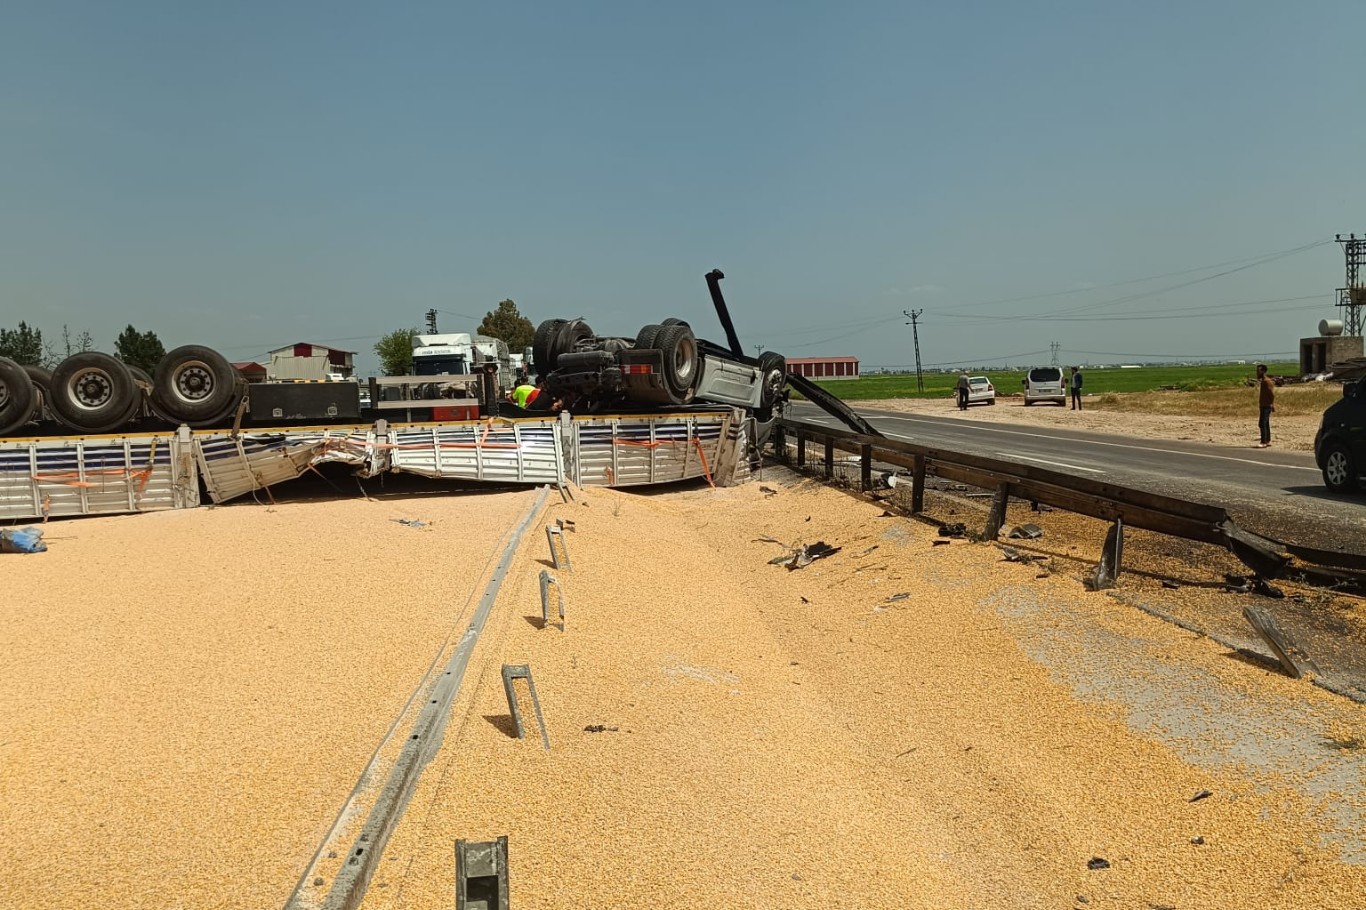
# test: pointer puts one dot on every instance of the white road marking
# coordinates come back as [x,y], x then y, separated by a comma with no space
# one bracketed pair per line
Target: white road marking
[1117,445]
[1051,463]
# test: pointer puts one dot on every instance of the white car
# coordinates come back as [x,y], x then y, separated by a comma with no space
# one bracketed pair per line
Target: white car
[1044,384]
[980,390]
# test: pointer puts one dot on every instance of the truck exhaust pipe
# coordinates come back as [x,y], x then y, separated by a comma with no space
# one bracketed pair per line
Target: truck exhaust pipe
[723,313]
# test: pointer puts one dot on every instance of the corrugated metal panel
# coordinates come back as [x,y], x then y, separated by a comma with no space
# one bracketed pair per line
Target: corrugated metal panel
[235,466]
[634,451]
[94,476]
[521,452]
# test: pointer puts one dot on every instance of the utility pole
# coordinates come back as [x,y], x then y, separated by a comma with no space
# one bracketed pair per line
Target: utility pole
[914,315]
[1054,348]
[758,349]
[1353,297]
[431,321]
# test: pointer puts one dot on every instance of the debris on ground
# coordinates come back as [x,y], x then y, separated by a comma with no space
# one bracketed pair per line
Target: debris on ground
[895,597]
[768,491]
[1026,532]
[600,728]
[767,539]
[1013,555]
[939,543]
[566,524]
[867,551]
[801,557]
[412,522]
[1097,862]
[22,540]
[1171,585]
[1199,795]
[955,529]
[1266,589]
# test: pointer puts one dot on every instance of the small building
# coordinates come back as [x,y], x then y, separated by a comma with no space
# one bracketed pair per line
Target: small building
[824,367]
[251,370]
[304,360]
[1330,346]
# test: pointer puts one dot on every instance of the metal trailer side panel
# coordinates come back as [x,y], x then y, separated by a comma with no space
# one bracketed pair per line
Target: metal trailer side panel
[94,476]
[234,466]
[523,451]
[636,451]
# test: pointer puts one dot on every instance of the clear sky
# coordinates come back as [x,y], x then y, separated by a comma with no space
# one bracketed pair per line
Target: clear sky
[247,174]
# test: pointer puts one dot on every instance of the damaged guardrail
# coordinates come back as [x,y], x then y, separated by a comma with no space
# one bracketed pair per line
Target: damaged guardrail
[1120,505]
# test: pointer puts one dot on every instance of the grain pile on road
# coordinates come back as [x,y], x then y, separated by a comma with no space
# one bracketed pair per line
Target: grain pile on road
[186,698]
[896,725]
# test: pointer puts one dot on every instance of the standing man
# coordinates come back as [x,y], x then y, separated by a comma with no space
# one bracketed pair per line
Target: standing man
[1075,384]
[963,391]
[1266,402]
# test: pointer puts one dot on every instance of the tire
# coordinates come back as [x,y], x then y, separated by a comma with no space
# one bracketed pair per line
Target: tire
[645,338]
[194,384]
[681,358]
[566,337]
[1339,470]
[140,374]
[672,321]
[540,345]
[41,378]
[1028,402]
[991,401]
[93,392]
[16,396]
[773,376]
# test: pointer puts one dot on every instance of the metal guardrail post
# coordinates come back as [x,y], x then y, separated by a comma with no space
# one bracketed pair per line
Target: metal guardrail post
[918,485]
[829,458]
[996,519]
[801,449]
[1111,558]
[481,875]
[865,459]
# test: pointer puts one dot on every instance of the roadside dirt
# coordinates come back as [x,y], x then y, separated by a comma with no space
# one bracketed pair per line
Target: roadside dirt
[1170,415]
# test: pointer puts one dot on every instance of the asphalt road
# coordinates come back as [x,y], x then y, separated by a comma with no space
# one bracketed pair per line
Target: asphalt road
[1276,493]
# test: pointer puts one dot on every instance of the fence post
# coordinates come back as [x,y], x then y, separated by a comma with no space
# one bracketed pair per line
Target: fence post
[865,458]
[829,457]
[801,449]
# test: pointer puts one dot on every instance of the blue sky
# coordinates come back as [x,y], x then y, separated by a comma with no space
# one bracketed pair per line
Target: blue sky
[246,175]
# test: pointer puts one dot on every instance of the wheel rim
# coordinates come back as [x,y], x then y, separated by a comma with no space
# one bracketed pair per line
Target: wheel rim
[1335,466]
[193,382]
[90,389]
[773,385]
[685,355]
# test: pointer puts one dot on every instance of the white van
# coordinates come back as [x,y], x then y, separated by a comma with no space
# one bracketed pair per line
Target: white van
[1045,384]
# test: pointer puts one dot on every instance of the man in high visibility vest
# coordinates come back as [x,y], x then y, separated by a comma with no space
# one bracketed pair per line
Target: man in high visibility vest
[522,394]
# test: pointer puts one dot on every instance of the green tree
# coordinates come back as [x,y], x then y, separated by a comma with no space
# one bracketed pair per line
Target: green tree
[510,325]
[395,352]
[24,345]
[143,350]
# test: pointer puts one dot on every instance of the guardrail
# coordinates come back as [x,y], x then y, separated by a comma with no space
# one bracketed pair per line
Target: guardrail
[1120,505]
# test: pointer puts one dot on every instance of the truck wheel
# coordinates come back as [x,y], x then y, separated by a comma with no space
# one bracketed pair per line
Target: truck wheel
[541,344]
[1339,471]
[194,383]
[16,396]
[645,338]
[672,321]
[679,347]
[773,375]
[93,392]
[41,378]
[566,337]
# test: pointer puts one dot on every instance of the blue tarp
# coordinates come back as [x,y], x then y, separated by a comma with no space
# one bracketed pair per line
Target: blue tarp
[22,540]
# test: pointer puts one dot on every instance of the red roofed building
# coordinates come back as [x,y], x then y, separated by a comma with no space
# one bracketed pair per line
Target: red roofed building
[824,367]
[251,371]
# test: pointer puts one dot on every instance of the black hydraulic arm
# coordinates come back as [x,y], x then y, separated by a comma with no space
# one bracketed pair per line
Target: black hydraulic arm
[723,313]
[831,405]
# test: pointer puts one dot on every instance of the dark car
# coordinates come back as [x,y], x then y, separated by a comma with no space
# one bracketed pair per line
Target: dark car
[1340,446]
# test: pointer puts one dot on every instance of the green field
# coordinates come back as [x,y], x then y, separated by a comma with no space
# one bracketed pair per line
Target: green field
[1096,382]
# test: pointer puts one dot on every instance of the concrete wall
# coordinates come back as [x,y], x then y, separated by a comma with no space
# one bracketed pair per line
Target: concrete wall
[1318,354]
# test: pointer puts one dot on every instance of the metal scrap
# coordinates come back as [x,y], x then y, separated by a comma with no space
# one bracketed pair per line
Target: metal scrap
[803,556]
[1026,532]
[956,529]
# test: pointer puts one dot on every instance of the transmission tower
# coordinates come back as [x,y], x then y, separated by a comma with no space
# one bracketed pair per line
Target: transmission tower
[915,333]
[431,321]
[1053,346]
[1352,297]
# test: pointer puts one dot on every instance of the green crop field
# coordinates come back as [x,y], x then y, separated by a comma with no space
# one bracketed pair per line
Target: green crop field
[1096,382]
